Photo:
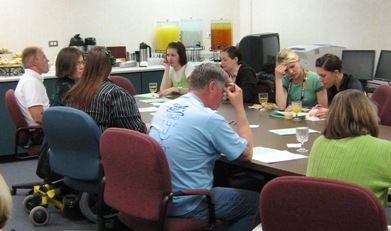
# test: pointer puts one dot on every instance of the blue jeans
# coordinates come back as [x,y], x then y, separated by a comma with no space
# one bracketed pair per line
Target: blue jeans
[239,207]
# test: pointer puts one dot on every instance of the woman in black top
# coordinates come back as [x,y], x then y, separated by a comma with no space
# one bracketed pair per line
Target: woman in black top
[329,69]
[240,74]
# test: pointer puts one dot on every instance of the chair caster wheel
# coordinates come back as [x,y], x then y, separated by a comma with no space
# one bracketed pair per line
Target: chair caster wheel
[39,216]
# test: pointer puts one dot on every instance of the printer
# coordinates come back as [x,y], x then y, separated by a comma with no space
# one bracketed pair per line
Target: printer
[309,53]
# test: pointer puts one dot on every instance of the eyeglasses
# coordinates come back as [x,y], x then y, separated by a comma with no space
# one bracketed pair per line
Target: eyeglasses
[80,64]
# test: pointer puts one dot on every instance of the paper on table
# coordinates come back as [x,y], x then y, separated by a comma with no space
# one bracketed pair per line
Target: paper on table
[146,95]
[289,131]
[147,109]
[293,145]
[269,155]
[254,126]
[281,114]
[154,100]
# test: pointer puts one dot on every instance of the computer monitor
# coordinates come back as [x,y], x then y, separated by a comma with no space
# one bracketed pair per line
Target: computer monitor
[259,51]
[359,63]
[383,69]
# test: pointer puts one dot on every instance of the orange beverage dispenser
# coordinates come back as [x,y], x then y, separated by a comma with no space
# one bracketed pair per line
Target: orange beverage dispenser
[166,32]
[221,34]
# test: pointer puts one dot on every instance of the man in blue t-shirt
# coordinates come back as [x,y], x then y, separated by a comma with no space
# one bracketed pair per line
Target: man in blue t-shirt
[194,135]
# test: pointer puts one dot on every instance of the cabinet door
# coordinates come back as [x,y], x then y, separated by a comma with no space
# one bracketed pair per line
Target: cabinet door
[135,78]
[151,76]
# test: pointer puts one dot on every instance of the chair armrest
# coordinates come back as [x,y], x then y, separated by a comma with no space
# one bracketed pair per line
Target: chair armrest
[189,192]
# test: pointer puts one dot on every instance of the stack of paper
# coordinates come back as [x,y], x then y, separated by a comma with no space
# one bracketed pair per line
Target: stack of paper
[269,155]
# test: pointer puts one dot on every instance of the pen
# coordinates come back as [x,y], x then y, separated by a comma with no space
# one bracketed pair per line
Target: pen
[232,123]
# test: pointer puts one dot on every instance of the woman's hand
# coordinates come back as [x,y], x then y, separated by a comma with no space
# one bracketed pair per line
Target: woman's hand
[279,71]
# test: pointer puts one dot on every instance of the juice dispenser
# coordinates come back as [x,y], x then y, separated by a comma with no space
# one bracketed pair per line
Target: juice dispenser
[221,34]
[191,32]
[191,37]
[166,32]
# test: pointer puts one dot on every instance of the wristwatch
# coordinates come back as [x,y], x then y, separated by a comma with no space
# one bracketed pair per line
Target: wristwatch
[179,89]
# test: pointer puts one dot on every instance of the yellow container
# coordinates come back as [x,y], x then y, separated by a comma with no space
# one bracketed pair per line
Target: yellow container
[221,34]
[166,32]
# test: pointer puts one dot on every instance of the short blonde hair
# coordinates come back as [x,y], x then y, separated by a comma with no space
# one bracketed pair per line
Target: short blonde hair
[287,56]
[5,202]
[27,54]
[351,114]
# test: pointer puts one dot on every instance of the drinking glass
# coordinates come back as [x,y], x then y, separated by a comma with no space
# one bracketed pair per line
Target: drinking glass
[153,88]
[302,136]
[263,98]
[296,108]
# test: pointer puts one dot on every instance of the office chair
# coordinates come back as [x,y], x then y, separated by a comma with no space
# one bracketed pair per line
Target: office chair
[138,184]
[73,137]
[23,131]
[124,83]
[382,98]
[22,135]
[311,203]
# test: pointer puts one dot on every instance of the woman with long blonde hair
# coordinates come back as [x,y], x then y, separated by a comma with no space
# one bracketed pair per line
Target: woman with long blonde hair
[295,83]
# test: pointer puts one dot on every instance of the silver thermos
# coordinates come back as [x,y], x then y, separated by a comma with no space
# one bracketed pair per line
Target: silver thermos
[144,48]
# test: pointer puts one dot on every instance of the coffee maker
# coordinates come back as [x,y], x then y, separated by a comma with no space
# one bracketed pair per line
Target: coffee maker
[89,43]
[77,41]
[144,48]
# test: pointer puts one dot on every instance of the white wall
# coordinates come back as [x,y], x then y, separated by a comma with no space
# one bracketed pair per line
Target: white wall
[112,23]
[363,24]
[354,24]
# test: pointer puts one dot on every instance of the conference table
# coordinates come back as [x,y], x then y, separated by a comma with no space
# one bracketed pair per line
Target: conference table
[263,137]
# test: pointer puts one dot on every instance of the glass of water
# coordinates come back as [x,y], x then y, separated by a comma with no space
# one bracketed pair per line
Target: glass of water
[302,136]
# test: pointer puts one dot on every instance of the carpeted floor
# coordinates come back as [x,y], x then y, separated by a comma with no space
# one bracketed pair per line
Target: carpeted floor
[17,172]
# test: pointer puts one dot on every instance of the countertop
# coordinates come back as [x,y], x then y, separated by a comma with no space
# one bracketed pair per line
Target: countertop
[115,70]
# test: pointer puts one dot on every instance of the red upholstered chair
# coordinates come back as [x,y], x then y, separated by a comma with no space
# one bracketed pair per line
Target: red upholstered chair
[382,98]
[22,134]
[124,83]
[138,183]
[310,203]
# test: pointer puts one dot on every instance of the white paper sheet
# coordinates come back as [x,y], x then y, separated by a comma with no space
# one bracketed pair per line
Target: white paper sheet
[269,155]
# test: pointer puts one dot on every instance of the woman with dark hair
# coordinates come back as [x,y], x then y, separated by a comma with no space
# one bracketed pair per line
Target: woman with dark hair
[176,70]
[349,149]
[329,69]
[108,104]
[240,74]
[69,68]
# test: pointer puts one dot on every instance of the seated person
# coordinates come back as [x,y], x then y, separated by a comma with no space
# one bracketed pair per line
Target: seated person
[349,149]
[108,104]
[192,154]
[69,68]
[295,83]
[5,203]
[176,70]
[329,68]
[30,91]
[240,74]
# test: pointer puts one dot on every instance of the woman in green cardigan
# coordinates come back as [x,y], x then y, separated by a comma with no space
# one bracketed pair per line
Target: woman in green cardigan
[349,149]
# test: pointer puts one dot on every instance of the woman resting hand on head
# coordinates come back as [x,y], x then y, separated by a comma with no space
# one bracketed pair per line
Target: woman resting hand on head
[295,83]
[176,70]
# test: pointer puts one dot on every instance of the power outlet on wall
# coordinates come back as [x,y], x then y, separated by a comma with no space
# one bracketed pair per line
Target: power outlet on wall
[53,43]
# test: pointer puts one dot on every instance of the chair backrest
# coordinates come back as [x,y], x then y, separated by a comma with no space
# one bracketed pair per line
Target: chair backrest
[311,203]
[136,171]
[17,116]
[124,83]
[73,137]
[382,98]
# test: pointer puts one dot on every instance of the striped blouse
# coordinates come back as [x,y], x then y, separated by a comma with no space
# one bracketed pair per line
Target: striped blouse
[115,107]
